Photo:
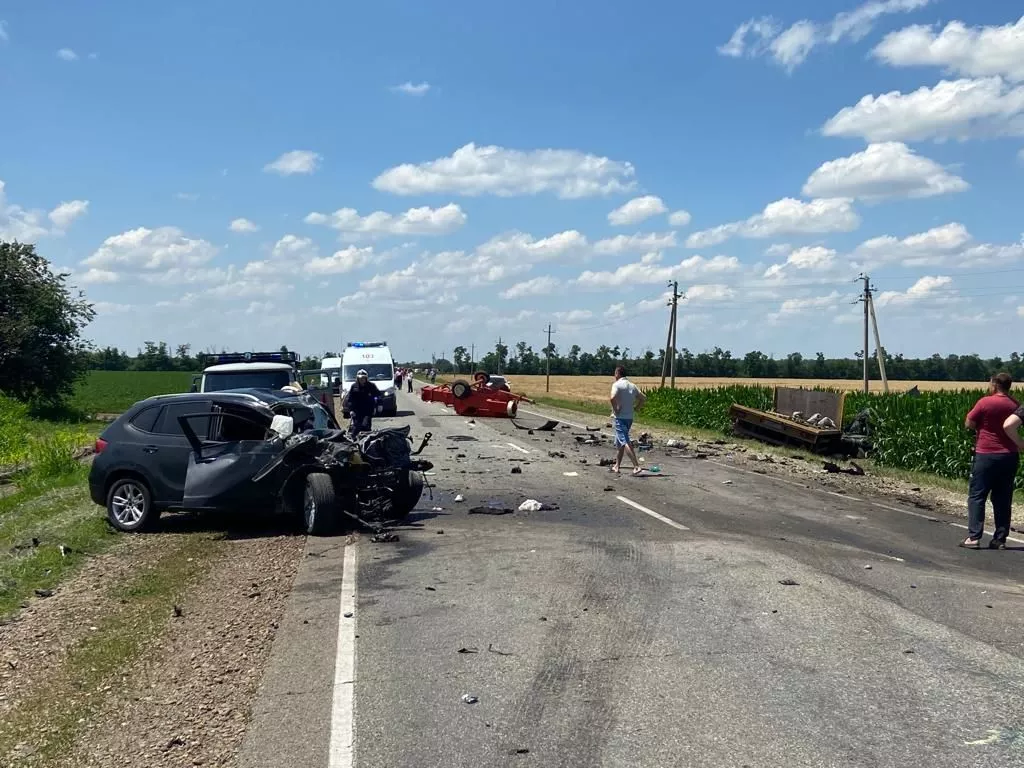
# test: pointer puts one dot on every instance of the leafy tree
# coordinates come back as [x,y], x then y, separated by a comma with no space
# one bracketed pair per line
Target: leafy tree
[42,352]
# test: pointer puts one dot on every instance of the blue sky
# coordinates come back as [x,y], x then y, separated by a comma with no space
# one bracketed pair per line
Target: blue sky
[246,175]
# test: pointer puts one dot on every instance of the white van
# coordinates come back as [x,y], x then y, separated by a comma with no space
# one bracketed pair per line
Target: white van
[374,357]
[331,367]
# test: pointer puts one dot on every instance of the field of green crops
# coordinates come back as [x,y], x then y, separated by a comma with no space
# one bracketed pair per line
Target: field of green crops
[115,391]
[923,434]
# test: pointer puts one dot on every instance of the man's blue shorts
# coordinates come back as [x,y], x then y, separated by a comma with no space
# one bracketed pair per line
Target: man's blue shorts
[622,430]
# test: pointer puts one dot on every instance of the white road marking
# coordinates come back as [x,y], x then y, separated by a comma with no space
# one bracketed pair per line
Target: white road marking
[517,447]
[652,513]
[343,736]
[561,421]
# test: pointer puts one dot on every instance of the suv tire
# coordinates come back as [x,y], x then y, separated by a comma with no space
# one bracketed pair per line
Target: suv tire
[319,505]
[130,505]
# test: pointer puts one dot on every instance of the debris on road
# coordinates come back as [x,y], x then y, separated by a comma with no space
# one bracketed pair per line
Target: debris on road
[492,649]
[516,471]
[532,505]
[854,469]
[384,537]
[606,463]
[468,698]
[178,612]
[571,474]
[727,482]
[556,454]
[490,511]
[44,593]
[867,567]
[673,443]
[593,429]
[460,497]
[468,650]
[349,614]
[789,583]
[609,487]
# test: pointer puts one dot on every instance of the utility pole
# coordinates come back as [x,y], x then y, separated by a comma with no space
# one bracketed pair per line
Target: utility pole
[499,356]
[866,298]
[675,324]
[668,346]
[547,356]
[472,356]
[878,345]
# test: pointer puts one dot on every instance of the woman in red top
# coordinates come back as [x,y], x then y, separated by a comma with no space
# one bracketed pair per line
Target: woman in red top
[994,469]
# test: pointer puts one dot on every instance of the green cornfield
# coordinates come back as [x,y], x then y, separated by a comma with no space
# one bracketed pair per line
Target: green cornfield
[116,391]
[922,434]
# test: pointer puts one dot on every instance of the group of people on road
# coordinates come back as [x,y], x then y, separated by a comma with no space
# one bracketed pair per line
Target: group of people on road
[996,420]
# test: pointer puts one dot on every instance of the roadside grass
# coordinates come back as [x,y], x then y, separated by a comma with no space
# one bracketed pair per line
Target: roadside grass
[116,391]
[921,479]
[35,522]
[44,726]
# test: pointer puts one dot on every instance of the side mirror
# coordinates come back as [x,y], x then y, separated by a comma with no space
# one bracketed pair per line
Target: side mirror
[282,426]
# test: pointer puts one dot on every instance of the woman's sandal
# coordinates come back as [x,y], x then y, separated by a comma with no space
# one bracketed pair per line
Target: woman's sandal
[637,471]
[971,543]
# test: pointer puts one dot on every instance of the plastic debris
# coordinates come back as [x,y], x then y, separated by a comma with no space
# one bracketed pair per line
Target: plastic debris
[532,505]
[516,471]
[606,463]
[556,454]
[609,487]
[460,497]
[867,567]
[469,698]
[384,537]
[789,583]
[349,614]
[437,509]
[654,468]
[571,474]
[727,482]
[44,593]
[673,443]
[468,650]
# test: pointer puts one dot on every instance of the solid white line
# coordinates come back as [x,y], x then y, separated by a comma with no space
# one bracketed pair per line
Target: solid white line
[517,447]
[652,513]
[342,754]
[548,416]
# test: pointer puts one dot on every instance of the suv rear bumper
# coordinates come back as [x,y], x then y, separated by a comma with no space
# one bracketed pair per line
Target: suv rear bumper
[96,492]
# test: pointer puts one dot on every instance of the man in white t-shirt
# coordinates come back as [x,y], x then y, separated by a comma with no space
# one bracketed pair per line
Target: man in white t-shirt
[624,399]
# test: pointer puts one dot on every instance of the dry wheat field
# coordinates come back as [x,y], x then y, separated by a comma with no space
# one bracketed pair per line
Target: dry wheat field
[596,388]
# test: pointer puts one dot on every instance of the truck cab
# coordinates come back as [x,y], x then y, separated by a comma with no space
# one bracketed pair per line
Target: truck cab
[247,370]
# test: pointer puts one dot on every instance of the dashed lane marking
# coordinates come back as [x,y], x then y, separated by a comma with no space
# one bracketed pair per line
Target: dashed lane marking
[342,751]
[652,513]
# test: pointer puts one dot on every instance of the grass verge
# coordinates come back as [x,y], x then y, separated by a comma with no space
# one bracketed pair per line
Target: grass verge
[44,726]
[921,479]
[40,517]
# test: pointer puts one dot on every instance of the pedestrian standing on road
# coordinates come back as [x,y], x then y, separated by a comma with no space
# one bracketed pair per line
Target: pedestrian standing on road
[994,467]
[361,402]
[625,398]
[409,380]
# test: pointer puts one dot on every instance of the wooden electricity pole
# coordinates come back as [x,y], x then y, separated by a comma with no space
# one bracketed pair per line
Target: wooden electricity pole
[878,344]
[547,356]
[866,298]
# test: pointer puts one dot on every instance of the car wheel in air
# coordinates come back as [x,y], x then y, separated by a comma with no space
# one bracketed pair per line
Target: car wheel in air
[130,506]
[461,389]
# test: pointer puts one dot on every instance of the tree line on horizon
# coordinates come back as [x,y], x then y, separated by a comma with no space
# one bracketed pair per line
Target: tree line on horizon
[522,359]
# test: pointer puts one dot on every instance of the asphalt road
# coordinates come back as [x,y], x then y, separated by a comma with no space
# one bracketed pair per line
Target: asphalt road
[644,625]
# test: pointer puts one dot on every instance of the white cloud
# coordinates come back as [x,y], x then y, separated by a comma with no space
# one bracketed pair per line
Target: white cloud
[411,89]
[340,262]
[3,31]
[813,258]
[760,31]
[538,286]
[479,170]
[294,247]
[779,249]
[243,226]
[636,210]
[807,304]
[784,217]
[889,169]
[638,243]
[1020,155]
[679,218]
[650,270]
[151,249]
[95,276]
[17,223]
[415,221]
[64,215]
[260,308]
[699,294]
[573,316]
[927,287]
[296,161]
[935,245]
[67,54]
[111,308]
[519,246]
[1020,311]
[790,47]
[959,49]
[952,109]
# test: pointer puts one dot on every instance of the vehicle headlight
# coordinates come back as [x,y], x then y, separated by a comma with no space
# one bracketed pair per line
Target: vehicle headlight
[389,391]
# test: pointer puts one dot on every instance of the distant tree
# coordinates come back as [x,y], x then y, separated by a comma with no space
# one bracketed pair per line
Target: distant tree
[42,353]
[460,356]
